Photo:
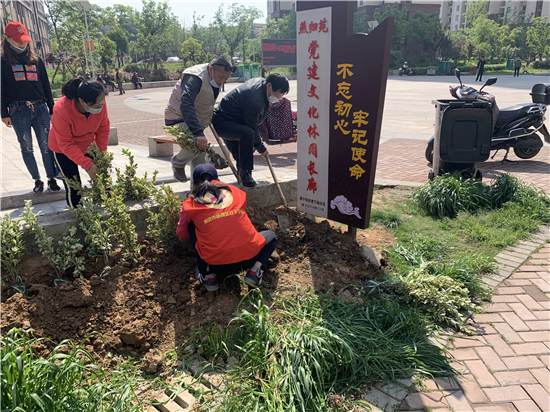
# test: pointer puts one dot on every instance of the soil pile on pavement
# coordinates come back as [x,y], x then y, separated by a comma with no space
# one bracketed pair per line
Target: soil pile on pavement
[157,302]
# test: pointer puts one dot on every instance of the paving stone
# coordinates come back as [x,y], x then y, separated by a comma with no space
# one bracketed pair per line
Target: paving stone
[525,275]
[472,390]
[457,400]
[537,262]
[499,345]
[522,311]
[481,329]
[522,362]
[545,359]
[514,378]
[517,282]
[459,366]
[529,302]
[164,404]
[468,342]
[538,325]
[395,390]
[504,298]
[509,290]
[506,394]
[540,255]
[521,255]
[447,383]
[380,399]
[539,395]
[481,373]
[531,268]
[542,375]
[407,382]
[534,336]
[491,359]
[492,283]
[509,257]
[422,400]
[544,275]
[464,354]
[526,406]
[542,314]
[533,348]
[497,308]
[545,304]
[514,321]
[501,407]
[542,284]
[487,317]
[509,334]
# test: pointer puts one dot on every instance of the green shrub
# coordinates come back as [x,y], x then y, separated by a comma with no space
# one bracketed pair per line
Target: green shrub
[162,225]
[495,67]
[539,64]
[13,247]
[65,381]
[132,187]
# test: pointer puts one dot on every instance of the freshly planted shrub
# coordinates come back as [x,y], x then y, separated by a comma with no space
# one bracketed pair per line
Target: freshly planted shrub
[134,188]
[162,225]
[13,247]
[62,258]
[98,236]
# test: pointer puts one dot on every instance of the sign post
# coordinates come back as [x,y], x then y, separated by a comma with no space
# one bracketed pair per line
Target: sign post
[341,89]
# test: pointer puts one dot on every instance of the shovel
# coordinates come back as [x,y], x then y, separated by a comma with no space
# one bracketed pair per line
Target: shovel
[285,221]
[227,156]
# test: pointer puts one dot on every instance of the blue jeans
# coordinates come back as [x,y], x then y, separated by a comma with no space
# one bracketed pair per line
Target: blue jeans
[22,119]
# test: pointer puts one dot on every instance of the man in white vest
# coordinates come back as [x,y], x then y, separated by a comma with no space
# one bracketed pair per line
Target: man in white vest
[191,104]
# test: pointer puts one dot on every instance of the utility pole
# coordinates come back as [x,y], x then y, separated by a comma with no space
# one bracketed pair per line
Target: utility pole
[85,5]
[85,54]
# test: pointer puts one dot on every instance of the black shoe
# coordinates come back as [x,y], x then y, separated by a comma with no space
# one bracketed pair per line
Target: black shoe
[38,186]
[247,180]
[53,186]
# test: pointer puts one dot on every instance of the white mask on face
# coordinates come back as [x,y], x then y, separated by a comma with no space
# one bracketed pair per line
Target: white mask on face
[214,84]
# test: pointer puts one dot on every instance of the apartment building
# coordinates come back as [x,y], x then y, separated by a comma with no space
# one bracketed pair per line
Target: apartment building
[31,13]
[277,9]
[452,12]
[368,7]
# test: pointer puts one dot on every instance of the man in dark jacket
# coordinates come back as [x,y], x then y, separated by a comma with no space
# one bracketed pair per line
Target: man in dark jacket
[480,68]
[517,66]
[239,116]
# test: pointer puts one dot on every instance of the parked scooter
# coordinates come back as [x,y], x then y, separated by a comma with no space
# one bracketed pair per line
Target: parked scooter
[405,70]
[516,127]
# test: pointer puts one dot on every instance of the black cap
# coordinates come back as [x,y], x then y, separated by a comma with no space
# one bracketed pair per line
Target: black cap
[204,171]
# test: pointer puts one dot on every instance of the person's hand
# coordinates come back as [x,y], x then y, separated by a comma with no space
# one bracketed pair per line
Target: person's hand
[201,142]
[51,117]
[92,172]
[264,154]
[7,121]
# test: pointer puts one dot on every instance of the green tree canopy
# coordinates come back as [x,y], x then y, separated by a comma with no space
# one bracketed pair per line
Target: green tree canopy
[538,36]
[475,9]
[426,29]
[235,25]
[487,36]
[120,37]
[107,50]
[400,25]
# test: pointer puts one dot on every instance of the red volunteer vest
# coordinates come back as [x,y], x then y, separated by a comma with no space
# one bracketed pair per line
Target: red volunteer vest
[224,231]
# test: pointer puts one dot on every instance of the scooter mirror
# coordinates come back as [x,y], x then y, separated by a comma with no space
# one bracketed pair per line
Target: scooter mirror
[491,81]
[457,73]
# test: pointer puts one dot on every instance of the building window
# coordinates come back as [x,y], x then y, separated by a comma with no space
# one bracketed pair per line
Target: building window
[508,10]
[458,8]
[456,17]
[456,27]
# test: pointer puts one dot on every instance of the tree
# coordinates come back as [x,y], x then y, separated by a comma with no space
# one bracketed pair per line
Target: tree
[190,50]
[120,37]
[475,9]
[287,26]
[235,25]
[360,23]
[400,25]
[426,29]
[487,36]
[271,29]
[538,36]
[107,50]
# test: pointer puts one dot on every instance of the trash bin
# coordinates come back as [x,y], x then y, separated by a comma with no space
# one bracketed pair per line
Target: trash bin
[444,67]
[463,132]
[510,64]
[240,72]
[431,70]
[255,70]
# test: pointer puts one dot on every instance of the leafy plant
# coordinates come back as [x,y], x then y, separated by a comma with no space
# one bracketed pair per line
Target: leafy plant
[62,258]
[162,225]
[134,188]
[65,381]
[440,296]
[186,140]
[295,354]
[98,235]
[13,246]
[119,222]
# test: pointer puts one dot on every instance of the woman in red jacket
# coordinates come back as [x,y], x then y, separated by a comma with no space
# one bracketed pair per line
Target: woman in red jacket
[214,218]
[79,119]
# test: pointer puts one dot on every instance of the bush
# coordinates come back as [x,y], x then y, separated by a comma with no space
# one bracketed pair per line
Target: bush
[12,247]
[495,67]
[539,64]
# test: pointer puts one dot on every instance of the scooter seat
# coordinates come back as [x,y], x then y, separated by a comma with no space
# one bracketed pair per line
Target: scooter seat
[512,113]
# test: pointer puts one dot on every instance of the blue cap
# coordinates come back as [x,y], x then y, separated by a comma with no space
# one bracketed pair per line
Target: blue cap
[204,171]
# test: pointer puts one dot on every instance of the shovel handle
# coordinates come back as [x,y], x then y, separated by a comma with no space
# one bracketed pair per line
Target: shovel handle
[275,180]
[227,156]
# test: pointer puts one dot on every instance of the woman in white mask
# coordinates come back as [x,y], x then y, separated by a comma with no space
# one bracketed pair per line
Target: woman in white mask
[27,101]
[79,119]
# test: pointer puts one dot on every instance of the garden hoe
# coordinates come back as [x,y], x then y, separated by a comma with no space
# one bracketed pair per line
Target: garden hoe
[283,212]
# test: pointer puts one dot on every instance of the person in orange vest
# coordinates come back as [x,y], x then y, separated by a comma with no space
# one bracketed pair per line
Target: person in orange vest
[214,218]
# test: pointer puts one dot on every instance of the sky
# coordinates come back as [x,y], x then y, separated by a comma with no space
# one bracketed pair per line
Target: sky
[184,9]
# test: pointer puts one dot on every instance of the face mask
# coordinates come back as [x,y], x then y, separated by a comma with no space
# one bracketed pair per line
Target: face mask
[94,111]
[272,99]
[214,84]
[17,49]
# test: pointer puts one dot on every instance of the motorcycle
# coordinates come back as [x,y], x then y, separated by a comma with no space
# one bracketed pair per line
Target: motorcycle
[517,127]
[405,71]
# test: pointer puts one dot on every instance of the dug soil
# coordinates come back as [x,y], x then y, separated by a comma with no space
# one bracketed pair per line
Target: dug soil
[157,302]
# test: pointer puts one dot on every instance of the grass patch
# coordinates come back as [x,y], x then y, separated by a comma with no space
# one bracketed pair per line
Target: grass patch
[68,380]
[299,351]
